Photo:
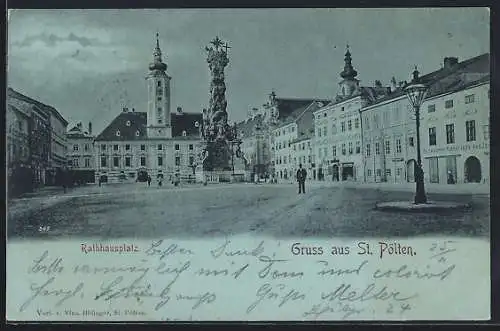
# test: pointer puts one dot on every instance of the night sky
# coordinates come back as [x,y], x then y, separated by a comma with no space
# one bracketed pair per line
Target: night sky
[90,63]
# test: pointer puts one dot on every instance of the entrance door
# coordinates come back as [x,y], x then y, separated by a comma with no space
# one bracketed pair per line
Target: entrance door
[335,171]
[347,172]
[472,170]
[410,171]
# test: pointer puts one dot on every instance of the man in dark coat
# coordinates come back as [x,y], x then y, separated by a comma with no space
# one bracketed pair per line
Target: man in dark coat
[301,179]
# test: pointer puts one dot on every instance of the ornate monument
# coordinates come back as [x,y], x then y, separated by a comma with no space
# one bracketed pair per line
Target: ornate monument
[220,142]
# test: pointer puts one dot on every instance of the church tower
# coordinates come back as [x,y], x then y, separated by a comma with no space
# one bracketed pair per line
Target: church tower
[158,117]
[349,84]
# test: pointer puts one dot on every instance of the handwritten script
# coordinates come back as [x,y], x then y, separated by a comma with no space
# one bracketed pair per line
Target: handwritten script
[233,279]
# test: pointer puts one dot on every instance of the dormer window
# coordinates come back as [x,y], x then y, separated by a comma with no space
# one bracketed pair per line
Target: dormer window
[128,123]
[137,133]
[184,133]
[118,133]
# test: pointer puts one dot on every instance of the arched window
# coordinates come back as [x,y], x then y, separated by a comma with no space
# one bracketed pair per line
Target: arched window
[137,133]
[118,133]
[128,123]
[184,133]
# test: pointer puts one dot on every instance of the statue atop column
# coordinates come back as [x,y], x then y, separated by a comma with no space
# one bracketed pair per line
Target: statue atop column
[221,144]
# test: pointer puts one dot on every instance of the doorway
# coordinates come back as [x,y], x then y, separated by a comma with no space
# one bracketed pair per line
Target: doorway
[472,170]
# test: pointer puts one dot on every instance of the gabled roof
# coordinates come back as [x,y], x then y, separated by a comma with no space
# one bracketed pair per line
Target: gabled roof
[132,126]
[287,106]
[77,132]
[446,80]
[247,128]
[136,130]
[305,123]
[185,122]
[11,93]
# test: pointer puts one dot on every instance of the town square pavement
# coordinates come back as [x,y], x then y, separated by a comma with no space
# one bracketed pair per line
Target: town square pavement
[192,211]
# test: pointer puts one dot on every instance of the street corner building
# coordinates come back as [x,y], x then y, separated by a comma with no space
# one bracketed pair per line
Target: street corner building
[36,144]
[155,143]
[454,130]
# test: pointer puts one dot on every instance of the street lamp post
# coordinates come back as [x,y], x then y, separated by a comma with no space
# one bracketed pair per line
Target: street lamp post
[416,93]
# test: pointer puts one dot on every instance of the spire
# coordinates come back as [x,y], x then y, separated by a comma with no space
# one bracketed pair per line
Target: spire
[348,72]
[157,62]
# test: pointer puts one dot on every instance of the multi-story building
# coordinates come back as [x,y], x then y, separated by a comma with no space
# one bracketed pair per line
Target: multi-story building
[156,143]
[80,154]
[39,138]
[18,148]
[454,132]
[253,135]
[455,124]
[56,126]
[292,140]
[58,161]
[337,141]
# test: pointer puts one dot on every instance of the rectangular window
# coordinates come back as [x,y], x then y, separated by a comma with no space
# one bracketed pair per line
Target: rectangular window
[318,133]
[431,108]
[75,148]
[387,147]
[160,147]
[103,162]
[369,172]
[350,147]
[177,147]
[127,147]
[116,161]
[358,147]
[349,125]
[398,172]
[432,136]
[191,147]
[469,98]
[115,147]
[159,83]
[325,150]
[86,147]
[191,160]
[177,160]
[450,133]
[103,147]
[367,122]
[368,150]
[342,126]
[143,147]
[143,161]
[343,149]
[324,131]
[160,161]
[334,129]
[127,161]
[388,172]
[87,163]
[309,158]
[433,170]
[448,104]
[398,146]
[334,151]
[470,130]
[411,142]
[75,163]
[356,123]
[159,98]
[377,148]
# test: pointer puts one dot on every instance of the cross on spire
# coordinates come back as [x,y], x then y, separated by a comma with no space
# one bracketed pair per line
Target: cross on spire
[217,42]
[226,46]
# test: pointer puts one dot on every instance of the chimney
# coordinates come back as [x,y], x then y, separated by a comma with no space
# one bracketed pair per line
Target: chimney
[79,125]
[90,128]
[378,83]
[125,109]
[450,62]
[133,110]
[179,110]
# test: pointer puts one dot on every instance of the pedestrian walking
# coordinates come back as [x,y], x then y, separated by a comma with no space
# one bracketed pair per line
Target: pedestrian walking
[100,181]
[301,179]
[149,180]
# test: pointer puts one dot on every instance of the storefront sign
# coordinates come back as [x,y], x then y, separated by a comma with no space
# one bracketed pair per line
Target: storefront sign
[462,148]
